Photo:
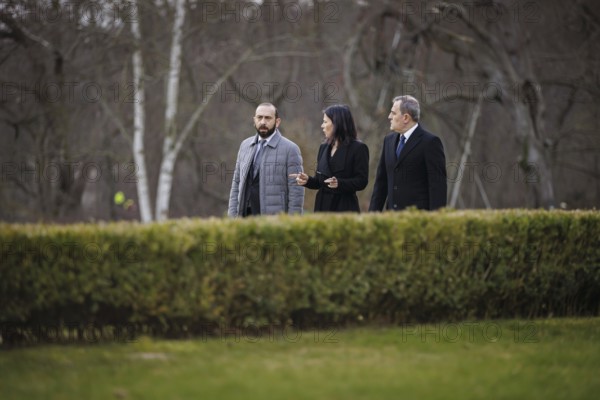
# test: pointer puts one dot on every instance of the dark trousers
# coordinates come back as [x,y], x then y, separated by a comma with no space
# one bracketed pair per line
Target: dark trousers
[252,195]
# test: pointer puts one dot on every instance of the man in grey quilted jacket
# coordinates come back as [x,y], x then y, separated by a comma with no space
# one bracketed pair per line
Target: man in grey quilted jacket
[261,183]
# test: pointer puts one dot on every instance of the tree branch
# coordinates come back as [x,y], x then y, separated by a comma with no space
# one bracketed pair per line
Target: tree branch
[116,120]
[200,109]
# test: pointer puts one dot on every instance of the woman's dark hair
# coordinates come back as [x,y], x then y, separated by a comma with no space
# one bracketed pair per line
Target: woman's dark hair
[344,130]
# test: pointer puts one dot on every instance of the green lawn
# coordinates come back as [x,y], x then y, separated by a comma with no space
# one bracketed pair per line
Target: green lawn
[544,359]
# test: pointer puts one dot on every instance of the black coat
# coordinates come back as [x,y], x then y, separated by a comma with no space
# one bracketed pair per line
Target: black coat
[416,178]
[350,165]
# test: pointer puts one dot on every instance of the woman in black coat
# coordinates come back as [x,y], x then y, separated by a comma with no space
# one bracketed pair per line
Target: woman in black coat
[342,164]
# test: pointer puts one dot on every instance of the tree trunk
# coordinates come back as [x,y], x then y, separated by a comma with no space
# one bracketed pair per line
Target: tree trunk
[139,115]
[534,168]
[169,156]
[466,149]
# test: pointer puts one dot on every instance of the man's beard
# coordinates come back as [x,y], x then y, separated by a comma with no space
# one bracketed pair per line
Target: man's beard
[267,133]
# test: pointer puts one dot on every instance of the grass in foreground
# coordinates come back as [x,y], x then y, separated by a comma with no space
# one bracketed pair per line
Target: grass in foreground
[546,359]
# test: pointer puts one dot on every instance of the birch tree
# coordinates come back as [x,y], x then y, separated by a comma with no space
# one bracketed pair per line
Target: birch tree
[170,148]
[139,116]
[174,138]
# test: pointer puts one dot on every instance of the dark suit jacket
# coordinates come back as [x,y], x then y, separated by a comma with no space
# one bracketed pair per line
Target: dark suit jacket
[350,165]
[416,178]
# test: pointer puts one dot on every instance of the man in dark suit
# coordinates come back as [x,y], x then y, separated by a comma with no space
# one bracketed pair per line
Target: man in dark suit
[412,168]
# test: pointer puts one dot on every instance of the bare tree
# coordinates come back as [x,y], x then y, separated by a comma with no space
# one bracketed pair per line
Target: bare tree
[155,59]
[396,42]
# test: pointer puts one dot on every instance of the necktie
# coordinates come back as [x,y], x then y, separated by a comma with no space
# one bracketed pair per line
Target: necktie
[258,157]
[400,146]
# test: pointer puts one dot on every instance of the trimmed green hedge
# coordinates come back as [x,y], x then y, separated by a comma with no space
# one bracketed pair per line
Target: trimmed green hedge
[393,267]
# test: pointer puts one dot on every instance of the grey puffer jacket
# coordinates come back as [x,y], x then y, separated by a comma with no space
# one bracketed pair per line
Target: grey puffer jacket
[278,192]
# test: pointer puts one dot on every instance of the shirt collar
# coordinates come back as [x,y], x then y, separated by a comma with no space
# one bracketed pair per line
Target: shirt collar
[259,138]
[410,131]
